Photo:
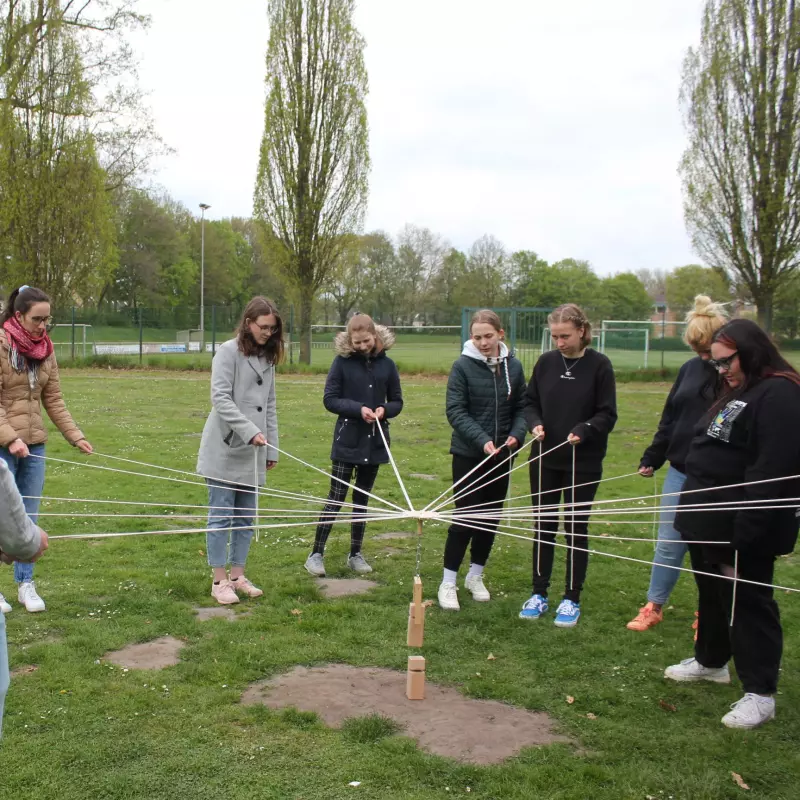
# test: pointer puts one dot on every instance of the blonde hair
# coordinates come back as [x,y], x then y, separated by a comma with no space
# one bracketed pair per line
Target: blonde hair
[487,317]
[702,322]
[569,312]
[363,323]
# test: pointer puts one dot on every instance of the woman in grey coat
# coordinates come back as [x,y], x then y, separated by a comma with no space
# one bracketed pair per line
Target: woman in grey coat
[239,443]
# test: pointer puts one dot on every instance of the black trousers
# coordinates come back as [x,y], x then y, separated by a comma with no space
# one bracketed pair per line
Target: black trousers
[365,480]
[755,640]
[486,490]
[557,483]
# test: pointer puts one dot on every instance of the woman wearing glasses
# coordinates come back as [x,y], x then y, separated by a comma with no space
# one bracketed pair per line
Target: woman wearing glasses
[690,397]
[239,443]
[744,459]
[29,381]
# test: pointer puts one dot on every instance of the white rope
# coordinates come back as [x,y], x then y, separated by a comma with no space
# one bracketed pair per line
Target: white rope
[391,461]
[538,543]
[572,526]
[735,583]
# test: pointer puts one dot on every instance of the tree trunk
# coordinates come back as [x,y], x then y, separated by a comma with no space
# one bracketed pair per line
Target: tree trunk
[764,302]
[306,307]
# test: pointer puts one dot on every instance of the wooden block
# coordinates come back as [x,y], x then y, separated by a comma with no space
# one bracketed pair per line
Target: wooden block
[415,685]
[417,589]
[416,626]
[416,663]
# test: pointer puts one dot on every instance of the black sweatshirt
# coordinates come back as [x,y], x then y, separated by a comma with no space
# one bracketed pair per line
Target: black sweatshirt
[583,402]
[752,437]
[691,396]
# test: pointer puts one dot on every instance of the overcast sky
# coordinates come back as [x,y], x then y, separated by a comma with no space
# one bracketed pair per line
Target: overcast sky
[554,127]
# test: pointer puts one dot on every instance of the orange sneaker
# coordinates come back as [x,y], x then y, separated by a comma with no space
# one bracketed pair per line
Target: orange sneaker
[647,617]
[696,623]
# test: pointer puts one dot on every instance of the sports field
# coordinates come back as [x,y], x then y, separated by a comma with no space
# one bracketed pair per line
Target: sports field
[78,727]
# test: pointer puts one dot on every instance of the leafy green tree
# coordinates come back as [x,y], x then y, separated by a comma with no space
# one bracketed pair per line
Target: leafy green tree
[566,281]
[311,186]
[740,170]
[683,284]
[626,297]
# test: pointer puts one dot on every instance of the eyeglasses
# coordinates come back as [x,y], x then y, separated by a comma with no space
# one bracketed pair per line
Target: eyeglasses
[266,328]
[42,320]
[723,363]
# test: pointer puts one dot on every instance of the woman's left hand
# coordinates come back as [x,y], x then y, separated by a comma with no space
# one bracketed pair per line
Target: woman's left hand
[84,446]
[573,439]
[271,464]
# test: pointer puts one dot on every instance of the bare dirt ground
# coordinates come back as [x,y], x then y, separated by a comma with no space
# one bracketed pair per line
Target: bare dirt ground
[445,722]
[341,587]
[157,654]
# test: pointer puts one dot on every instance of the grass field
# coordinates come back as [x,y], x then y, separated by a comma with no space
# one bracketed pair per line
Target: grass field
[77,727]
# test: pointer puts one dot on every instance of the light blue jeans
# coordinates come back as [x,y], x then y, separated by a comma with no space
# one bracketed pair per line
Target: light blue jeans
[670,548]
[231,511]
[4,679]
[29,476]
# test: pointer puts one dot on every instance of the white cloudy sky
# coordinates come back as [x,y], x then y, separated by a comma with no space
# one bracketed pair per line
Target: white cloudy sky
[553,126]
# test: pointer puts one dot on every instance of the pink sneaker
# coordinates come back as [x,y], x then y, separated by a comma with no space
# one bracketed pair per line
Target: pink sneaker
[243,586]
[223,593]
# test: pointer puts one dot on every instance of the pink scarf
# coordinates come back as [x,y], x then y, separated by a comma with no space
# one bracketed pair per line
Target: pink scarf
[21,343]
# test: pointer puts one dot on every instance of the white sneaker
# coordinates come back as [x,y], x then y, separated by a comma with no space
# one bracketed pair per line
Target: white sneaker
[5,606]
[750,712]
[448,597]
[690,669]
[28,596]
[315,565]
[474,584]
[359,564]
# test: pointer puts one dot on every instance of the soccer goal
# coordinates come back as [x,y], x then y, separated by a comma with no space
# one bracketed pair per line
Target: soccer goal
[626,342]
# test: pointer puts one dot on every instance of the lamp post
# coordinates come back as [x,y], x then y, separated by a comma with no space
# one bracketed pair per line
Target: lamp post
[203,208]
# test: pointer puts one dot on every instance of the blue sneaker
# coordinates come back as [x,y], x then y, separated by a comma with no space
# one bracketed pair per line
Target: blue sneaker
[534,607]
[567,614]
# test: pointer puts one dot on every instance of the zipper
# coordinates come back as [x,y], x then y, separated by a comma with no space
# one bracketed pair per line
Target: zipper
[341,429]
[496,404]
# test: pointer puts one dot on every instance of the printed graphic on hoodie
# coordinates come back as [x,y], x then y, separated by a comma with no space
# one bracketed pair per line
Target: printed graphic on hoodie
[721,425]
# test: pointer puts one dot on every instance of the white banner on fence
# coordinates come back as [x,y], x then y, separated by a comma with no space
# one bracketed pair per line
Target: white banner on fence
[148,348]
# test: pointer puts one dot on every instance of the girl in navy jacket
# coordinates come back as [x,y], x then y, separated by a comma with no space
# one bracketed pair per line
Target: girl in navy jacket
[363,389]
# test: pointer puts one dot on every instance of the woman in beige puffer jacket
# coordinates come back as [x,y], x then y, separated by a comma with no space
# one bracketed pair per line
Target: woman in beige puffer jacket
[29,381]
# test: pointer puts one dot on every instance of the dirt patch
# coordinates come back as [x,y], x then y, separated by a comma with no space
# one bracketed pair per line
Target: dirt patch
[445,723]
[393,535]
[157,654]
[423,476]
[392,551]
[204,614]
[341,587]
[20,671]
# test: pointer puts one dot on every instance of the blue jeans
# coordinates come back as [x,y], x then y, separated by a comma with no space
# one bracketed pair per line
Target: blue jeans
[670,548]
[29,476]
[231,509]
[4,679]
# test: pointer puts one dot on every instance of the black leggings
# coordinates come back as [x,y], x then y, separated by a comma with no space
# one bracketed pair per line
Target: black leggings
[486,490]
[755,640]
[555,483]
[365,480]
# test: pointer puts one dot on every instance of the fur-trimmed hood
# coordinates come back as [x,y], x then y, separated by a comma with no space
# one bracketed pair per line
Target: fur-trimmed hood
[385,340]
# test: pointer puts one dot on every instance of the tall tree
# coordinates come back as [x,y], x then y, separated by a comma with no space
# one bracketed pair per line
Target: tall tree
[311,187]
[626,297]
[741,170]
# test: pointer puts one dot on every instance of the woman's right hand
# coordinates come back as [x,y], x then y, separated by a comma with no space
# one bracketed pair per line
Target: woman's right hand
[489,449]
[367,414]
[19,449]
[538,432]
[646,472]
[258,440]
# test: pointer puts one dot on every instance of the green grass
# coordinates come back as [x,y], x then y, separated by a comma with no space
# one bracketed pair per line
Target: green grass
[78,727]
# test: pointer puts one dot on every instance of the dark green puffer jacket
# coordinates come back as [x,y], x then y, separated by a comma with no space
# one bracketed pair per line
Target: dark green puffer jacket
[482,405]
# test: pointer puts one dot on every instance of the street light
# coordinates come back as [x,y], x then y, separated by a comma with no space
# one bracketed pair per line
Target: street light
[203,208]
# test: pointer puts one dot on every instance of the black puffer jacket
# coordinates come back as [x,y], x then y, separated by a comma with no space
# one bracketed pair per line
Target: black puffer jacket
[354,381]
[484,405]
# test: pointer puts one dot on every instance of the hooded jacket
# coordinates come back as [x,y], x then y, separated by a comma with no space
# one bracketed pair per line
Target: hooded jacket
[484,404]
[356,380]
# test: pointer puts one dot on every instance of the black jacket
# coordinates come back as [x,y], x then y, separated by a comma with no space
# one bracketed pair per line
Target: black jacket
[354,381]
[583,402]
[484,405]
[691,396]
[753,437]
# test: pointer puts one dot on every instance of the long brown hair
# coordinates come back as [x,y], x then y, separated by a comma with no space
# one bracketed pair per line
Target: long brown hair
[569,312]
[486,316]
[21,300]
[273,349]
[360,323]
